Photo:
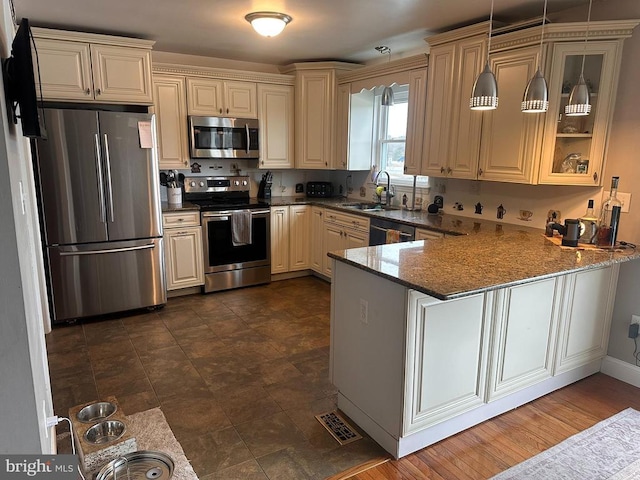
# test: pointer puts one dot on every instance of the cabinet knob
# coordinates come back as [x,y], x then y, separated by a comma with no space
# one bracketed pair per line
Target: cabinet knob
[441,169]
[221,110]
[449,170]
[405,169]
[480,172]
[227,110]
[326,164]
[98,92]
[595,177]
[87,91]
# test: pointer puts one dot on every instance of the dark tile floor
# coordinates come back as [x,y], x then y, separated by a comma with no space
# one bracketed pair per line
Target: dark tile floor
[239,376]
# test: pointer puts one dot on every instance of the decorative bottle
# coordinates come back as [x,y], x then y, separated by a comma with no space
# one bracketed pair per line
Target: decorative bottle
[610,217]
[589,225]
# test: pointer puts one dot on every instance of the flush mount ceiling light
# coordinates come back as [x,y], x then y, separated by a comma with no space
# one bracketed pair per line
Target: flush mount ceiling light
[387,93]
[579,99]
[536,95]
[268,24]
[485,89]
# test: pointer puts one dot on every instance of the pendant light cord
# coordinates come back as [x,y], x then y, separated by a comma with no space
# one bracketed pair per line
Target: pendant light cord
[586,36]
[490,29]
[544,17]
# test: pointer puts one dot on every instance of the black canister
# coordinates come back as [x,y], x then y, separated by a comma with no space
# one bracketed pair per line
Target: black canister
[571,232]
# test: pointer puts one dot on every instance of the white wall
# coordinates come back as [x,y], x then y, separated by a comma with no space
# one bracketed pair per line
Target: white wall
[25,393]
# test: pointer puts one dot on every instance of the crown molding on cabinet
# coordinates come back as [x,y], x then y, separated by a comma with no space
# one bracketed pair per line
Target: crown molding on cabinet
[95,38]
[223,73]
[396,66]
[339,67]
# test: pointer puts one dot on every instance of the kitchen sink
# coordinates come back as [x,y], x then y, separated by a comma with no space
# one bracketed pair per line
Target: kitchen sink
[368,207]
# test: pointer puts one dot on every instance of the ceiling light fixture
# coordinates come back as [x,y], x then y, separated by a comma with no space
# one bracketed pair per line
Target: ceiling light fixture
[536,95]
[268,24]
[579,99]
[387,93]
[485,89]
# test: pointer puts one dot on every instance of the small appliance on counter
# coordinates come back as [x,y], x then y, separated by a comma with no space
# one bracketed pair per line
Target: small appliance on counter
[264,189]
[319,189]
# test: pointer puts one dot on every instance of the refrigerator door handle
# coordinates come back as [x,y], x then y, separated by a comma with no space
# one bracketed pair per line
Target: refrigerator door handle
[103,213]
[108,250]
[109,186]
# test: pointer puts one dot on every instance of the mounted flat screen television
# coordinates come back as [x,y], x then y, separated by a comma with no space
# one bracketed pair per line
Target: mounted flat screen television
[19,83]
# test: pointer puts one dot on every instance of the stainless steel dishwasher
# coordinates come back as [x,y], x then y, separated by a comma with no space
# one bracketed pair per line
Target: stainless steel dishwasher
[380,230]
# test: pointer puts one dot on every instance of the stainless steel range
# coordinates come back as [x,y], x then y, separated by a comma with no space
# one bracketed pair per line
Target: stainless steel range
[235,232]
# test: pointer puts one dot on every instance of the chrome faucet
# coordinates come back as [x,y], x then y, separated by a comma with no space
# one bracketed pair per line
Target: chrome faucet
[388,192]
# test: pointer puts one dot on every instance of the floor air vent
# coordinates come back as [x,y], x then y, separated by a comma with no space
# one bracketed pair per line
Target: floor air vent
[338,427]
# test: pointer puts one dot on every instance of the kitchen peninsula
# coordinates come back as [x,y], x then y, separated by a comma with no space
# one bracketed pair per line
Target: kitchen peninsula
[431,337]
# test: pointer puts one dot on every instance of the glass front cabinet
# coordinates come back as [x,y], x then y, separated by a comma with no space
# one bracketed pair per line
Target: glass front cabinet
[574,147]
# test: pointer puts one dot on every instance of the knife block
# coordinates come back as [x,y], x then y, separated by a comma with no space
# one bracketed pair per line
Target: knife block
[264,189]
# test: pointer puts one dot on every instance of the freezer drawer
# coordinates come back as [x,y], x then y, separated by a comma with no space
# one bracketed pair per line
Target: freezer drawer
[88,280]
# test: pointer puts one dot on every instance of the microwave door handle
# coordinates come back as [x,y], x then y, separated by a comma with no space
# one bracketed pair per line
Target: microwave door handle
[103,213]
[246,128]
[109,186]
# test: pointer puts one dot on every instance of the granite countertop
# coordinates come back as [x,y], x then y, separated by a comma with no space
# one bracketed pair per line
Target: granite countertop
[492,256]
[172,208]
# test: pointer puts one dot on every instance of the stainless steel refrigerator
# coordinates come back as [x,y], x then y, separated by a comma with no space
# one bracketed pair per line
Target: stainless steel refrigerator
[100,211]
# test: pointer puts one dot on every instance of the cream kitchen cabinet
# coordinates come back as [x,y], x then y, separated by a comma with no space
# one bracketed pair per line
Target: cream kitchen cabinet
[184,265]
[451,142]
[343,231]
[525,323]
[422,234]
[574,147]
[213,97]
[317,253]
[276,115]
[290,242]
[279,239]
[315,112]
[170,107]
[415,121]
[354,129]
[511,140]
[587,307]
[84,67]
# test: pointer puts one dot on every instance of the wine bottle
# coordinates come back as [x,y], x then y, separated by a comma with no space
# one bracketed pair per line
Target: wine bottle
[589,225]
[610,217]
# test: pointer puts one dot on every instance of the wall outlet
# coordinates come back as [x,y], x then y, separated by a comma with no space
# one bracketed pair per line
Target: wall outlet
[625,199]
[364,311]
[475,187]
[363,191]
[635,319]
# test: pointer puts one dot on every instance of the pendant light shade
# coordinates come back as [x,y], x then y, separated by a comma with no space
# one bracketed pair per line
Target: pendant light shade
[485,91]
[579,99]
[387,97]
[268,24]
[536,95]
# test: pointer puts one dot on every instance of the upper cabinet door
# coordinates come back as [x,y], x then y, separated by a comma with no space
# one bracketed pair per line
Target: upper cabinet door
[121,74]
[511,140]
[276,125]
[171,121]
[415,121]
[204,96]
[240,99]
[65,70]
[574,147]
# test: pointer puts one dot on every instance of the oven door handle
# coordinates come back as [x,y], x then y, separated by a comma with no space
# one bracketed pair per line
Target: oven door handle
[385,230]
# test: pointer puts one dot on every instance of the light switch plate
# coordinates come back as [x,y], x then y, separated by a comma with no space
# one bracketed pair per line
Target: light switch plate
[625,198]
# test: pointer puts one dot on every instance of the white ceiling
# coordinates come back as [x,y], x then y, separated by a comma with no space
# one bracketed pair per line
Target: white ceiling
[345,30]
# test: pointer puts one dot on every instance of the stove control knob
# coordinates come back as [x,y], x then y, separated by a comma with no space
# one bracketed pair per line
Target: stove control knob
[236,183]
[202,184]
[192,184]
[244,183]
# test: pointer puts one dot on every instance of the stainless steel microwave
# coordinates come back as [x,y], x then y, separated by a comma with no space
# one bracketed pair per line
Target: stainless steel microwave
[223,137]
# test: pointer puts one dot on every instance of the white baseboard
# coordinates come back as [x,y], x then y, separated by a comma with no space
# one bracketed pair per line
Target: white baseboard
[620,370]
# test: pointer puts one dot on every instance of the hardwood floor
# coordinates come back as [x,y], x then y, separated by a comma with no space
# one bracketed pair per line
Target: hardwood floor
[497,444]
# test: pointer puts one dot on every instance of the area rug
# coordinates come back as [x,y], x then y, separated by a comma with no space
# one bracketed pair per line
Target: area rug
[152,432]
[608,450]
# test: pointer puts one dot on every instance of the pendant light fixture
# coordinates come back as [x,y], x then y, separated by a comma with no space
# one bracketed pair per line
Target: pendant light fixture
[579,99]
[485,89]
[536,95]
[387,93]
[268,24]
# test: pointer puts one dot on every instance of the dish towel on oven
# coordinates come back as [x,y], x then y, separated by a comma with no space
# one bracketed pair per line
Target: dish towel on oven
[393,236]
[241,227]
